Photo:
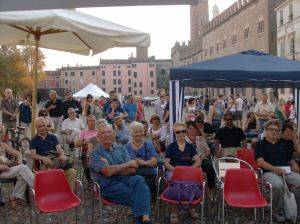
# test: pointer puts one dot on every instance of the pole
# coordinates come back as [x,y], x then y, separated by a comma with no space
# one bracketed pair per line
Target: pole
[34,86]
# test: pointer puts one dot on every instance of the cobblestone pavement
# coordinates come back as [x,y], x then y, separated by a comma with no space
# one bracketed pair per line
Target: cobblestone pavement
[118,214]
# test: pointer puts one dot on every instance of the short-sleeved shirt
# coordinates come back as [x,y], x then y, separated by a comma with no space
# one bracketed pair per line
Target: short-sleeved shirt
[58,111]
[145,152]
[131,110]
[290,145]
[10,106]
[230,137]
[239,104]
[25,113]
[117,112]
[44,146]
[74,125]
[261,107]
[115,156]
[275,154]
[87,134]
[181,158]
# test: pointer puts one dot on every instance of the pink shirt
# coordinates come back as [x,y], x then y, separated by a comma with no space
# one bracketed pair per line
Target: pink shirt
[87,134]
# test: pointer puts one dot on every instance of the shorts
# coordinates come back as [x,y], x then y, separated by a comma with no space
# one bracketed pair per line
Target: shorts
[239,115]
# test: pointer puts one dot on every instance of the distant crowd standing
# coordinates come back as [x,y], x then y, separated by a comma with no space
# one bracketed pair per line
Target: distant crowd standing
[125,150]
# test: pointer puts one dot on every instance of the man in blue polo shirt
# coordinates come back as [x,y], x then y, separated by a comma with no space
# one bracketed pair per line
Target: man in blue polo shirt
[130,108]
[112,169]
[41,146]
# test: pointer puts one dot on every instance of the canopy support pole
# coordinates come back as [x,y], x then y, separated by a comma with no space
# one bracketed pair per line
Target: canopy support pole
[34,85]
[297,107]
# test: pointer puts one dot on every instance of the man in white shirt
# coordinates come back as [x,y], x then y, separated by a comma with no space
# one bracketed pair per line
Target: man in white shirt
[160,106]
[72,127]
[264,111]
[239,110]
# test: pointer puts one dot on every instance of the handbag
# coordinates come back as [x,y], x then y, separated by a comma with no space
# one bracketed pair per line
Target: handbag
[183,191]
[289,203]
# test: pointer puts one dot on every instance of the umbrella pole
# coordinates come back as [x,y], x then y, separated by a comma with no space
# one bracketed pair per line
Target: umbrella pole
[34,86]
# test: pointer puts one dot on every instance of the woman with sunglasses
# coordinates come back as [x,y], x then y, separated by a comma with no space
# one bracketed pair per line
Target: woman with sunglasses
[180,153]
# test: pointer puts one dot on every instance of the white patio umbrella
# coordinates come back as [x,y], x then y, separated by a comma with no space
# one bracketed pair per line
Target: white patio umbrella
[65,30]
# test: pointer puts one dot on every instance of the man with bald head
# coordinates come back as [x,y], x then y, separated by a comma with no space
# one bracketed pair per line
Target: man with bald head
[9,109]
[42,145]
[114,171]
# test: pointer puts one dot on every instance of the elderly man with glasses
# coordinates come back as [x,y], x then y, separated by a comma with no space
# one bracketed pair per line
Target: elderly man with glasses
[114,171]
[274,157]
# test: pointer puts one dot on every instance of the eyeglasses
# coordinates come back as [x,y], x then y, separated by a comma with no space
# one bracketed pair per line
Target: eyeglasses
[180,132]
[228,119]
[273,130]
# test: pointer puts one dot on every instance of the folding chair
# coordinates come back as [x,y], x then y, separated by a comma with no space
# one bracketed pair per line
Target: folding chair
[185,173]
[53,194]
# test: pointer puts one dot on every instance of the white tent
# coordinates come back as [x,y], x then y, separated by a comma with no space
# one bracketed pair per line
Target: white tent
[92,89]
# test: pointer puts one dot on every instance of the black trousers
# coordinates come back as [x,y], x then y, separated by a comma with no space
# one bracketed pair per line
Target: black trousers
[208,168]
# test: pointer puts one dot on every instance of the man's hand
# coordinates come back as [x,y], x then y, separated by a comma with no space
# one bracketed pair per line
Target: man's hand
[62,158]
[133,164]
[47,162]
[104,160]
[279,171]
[141,162]
[3,168]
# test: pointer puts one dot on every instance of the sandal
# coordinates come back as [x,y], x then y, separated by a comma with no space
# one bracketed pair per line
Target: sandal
[193,213]
[174,218]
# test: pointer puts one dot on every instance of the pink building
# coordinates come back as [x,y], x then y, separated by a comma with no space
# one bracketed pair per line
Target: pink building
[131,76]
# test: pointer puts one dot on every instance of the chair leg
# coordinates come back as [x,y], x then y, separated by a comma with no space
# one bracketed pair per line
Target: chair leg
[223,208]
[76,215]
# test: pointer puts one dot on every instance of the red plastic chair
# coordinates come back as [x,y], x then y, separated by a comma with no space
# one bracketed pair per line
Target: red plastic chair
[52,192]
[186,173]
[241,190]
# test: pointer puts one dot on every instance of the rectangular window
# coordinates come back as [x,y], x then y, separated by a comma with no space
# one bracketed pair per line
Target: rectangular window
[103,81]
[281,18]
[114,81]
[141,84]
[129,81]
[133,65]
[246,33]
[93,73]
[103,72]
[260,28]
[135,92]
[119,81]
[291,13]
[129,89]
[66,74]
[81,74]
[234,39]
[141,92]
[66,81]
[292,46]
[120,89]
[129,72]
[134,84]
[135,75]
[103,89]
[152,91]
[281,90]
[115,89]
[114,73]
[119,73]
[151,74]
[152,84]
[72,73]
[224,44]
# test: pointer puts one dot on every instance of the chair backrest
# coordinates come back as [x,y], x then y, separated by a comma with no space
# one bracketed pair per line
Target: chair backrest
[248,156]
[240,181]
[50,183]
[187,173]
[222,164]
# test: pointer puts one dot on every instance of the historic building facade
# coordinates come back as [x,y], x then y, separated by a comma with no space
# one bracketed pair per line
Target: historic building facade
[245,25]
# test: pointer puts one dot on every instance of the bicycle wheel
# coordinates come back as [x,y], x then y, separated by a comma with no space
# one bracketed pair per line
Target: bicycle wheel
[24,144]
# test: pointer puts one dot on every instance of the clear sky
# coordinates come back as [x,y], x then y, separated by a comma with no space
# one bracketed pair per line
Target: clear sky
[165,24]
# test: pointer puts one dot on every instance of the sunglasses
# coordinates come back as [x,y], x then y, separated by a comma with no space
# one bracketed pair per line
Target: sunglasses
[180,132]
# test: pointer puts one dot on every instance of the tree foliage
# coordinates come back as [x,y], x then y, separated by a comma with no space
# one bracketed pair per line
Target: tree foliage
[16,67]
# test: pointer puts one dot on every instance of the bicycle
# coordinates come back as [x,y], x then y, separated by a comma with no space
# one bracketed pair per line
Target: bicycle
[14,138]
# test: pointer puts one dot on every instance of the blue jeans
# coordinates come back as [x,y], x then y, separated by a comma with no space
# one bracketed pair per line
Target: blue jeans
[129,191]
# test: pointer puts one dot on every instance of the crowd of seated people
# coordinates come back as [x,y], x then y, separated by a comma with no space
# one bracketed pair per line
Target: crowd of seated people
[125,150]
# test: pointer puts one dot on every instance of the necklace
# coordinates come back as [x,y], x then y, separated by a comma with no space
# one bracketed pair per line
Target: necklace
[181,146]
[137,145]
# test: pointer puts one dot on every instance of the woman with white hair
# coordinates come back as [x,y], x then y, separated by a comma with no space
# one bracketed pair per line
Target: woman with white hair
[144,152]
